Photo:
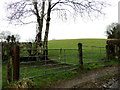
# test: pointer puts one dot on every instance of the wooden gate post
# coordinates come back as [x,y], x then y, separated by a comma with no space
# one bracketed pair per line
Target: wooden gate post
[9,65]
[80,55]
[16,63]
[107,52]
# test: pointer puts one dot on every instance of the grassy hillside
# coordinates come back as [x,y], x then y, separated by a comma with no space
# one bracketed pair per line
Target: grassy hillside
[72,43]
[89,53]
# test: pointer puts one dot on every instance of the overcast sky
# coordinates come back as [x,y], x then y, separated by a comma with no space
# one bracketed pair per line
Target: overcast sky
[80,28]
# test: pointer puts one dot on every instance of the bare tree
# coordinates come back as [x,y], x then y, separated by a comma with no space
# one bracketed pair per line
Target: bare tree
[77,7]
[4,34]
[40,11]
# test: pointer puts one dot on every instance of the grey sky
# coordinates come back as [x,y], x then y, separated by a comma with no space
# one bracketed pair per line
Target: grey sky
[81,28]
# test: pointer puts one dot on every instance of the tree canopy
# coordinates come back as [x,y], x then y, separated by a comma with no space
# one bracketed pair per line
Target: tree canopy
[113,31]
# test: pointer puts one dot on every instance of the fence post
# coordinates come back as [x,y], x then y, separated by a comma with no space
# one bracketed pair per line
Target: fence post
[60,56]
[9,65]
[80,55]
[16,63]
[107,52]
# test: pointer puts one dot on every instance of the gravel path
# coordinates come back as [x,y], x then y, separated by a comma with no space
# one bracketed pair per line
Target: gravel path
[88,77]
[116,84]
[113,82]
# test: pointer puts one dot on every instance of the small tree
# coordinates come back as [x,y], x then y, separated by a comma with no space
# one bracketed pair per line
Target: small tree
[4,35]
[113,31]
[12,38]
[8,38]
[113,46]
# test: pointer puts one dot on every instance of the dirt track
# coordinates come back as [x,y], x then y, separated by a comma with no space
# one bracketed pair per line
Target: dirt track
[90,76]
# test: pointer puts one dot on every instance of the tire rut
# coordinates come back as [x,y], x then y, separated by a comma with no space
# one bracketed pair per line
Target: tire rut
[85,77]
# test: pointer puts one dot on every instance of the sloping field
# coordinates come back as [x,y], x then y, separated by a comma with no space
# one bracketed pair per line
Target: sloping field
[93,49]
[72,43]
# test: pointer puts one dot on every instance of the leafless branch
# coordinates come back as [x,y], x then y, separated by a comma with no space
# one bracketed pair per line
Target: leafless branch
[24,23]
[22,9]
[84,8]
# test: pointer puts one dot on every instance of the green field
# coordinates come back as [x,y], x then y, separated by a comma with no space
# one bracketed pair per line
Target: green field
[73,43]
[90,54]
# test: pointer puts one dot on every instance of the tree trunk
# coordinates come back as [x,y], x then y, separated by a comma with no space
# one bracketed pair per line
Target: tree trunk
[45,45]
[40,22]
[40,26]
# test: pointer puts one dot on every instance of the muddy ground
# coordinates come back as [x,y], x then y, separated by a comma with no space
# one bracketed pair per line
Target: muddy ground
[106,77]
